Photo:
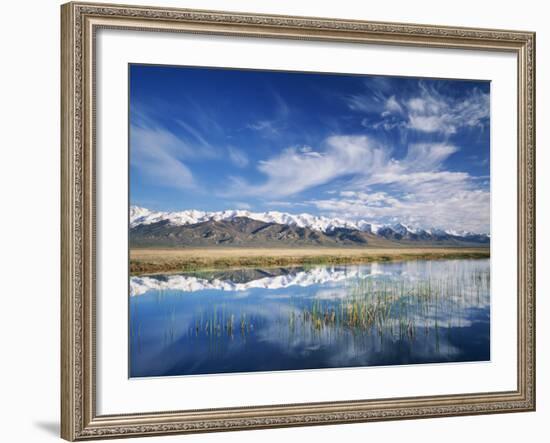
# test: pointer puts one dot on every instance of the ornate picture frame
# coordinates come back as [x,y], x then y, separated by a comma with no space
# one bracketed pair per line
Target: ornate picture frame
[80,22]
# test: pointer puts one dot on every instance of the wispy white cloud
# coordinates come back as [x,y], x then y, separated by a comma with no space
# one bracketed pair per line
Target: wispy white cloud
[427,156]
[237,157]
[243,205]
[158,154]
[392,105]
[282,203]
[286,204]
[195,133]
[415,189]
[445,201]
[429,111]
[162,155]
[478,160]
[434,112]
[272,127]
[297,169]
[268,126]
[369,102]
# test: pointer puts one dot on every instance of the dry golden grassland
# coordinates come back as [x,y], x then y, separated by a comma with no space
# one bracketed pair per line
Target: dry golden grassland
[150,261]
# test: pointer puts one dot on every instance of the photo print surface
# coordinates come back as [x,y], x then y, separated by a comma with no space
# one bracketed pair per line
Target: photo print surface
[298,221]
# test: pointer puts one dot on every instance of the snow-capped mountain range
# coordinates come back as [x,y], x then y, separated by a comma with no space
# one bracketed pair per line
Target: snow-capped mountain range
[142,216]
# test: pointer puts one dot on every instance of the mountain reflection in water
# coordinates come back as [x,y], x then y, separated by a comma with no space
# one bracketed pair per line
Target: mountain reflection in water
[248,320]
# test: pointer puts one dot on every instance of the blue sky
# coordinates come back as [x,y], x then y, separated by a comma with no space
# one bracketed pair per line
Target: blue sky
[383,149]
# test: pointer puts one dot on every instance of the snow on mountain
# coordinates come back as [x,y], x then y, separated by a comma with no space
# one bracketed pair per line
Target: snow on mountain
[437,232]
[400,229]
[187,283]
[143,216]
[137,212]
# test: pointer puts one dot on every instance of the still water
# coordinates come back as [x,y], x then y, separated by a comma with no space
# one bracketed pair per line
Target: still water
[307,318]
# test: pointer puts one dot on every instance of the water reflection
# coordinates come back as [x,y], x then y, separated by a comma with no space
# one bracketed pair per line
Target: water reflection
[297,318]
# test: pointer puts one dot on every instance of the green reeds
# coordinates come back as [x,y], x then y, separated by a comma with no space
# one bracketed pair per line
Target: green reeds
[398,307]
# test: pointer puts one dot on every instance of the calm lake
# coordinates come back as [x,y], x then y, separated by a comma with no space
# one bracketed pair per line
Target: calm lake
[308,318]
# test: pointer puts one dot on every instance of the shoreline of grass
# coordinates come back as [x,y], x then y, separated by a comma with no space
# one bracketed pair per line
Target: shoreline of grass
[169,261]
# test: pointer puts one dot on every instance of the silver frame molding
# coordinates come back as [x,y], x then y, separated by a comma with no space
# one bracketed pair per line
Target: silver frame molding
[79,23]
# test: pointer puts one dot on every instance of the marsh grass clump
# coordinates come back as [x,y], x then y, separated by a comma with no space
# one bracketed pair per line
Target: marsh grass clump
[399,308]
[220,322]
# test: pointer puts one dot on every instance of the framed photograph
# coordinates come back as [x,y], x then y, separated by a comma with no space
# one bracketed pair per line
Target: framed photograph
[277,221]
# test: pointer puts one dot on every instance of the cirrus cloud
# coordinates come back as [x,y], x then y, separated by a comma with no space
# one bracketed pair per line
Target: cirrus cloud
[298,169]
[427,111]
[415,189]
[158,155]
